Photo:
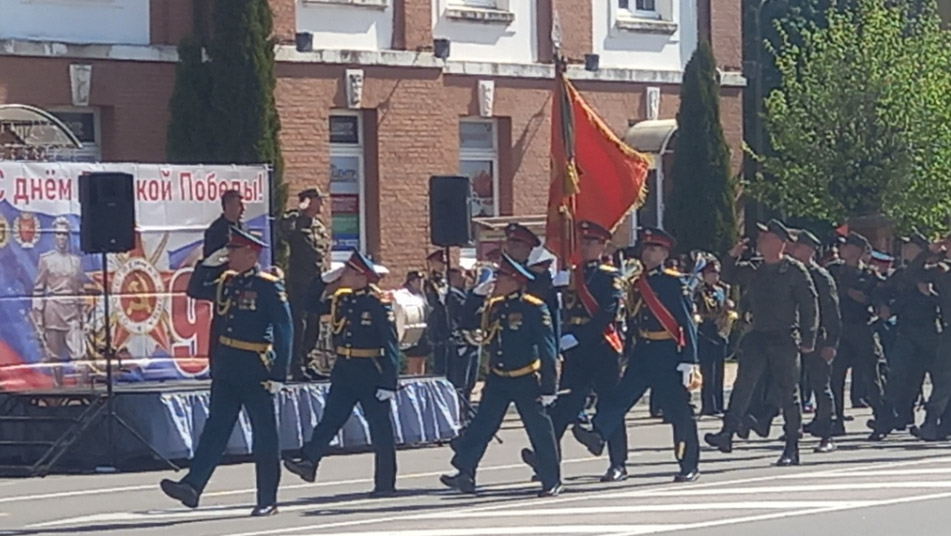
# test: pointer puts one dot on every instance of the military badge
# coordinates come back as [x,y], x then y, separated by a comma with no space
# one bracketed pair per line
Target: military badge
[366,319]
[515,321]
[26,230]
[248,300]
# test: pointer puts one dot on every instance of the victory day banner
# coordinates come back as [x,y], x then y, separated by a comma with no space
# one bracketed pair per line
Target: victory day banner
[52,326]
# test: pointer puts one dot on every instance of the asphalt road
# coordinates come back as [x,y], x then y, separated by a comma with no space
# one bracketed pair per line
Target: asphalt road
[896,487]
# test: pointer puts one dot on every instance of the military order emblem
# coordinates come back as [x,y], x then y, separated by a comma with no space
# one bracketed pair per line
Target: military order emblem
[26,230]
[141,295]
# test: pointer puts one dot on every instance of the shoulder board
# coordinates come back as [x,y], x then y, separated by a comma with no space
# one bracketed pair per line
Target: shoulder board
[228,274]
[673,273]
[495,300]
[608,268]
[532,299]
[342,292]
[267,276]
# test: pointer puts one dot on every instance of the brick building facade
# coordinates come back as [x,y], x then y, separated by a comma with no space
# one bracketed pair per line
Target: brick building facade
[369,100]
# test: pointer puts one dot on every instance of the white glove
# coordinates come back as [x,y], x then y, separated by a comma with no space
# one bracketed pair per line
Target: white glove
[384,395]
[217,258]
[484,289]
[561,279]
[272,386]
[689,372]
[548,400]
[568,341]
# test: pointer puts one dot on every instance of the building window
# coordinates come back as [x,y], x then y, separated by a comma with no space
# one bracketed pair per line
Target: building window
[479,160]
[639,8]
[484,4]
[347,184]
[84,124]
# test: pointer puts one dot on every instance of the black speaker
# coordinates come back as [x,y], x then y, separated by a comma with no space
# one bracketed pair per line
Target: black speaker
[107,218]
[450,211]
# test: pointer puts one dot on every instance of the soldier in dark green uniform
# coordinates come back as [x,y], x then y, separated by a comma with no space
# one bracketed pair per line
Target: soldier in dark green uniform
[520,345]
[365,372]
[818,364]
[309,244]
[859,346]
[785,320]
[253,332]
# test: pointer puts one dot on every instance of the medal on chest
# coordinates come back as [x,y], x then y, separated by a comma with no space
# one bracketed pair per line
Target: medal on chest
[247,300]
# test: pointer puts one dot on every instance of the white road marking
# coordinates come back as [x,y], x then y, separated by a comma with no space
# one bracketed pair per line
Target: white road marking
[897,472]
[607,495]
[758,490]
[521,530]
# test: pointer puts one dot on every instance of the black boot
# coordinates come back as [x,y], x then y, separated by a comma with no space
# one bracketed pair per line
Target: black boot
[459,481]
[790,455]
[551,491]
[302,467]
[722,440]
[590,439]
[689,475]
[928,431]
[761,425]
[615,473]
[181,492]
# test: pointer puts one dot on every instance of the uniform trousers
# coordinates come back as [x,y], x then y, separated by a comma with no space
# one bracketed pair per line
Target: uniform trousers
[653,365]
[464,368]
[306,327]
[589,367]
[497,395]
[778,354]
[228,396]
[860,349]
[346,391]
[711,350]
[819,379]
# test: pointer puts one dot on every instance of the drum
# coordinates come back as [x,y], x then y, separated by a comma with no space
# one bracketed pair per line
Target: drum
[409,311]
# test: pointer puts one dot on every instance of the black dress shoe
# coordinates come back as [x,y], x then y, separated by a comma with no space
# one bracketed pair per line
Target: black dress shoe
[722,440]
[264,511]
[382,494]
[790,456]
[615,474]
[181,492]
[690,476]
[459,481]
[591,440]
[305,469]
[553,491]
[825,446]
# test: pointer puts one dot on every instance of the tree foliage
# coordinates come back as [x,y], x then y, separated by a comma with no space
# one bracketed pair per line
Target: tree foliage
[702,211]
[189,137]
[859,125]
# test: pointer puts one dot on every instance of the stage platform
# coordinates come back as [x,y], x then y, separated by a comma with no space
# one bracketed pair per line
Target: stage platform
[171,415]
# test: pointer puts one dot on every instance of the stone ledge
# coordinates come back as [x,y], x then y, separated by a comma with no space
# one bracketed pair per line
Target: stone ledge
[52,49]
[646,26]
[475,14]
[374,4]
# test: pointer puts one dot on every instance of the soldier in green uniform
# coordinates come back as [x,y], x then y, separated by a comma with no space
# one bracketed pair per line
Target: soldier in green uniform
[253,333]
[309,244]
[520,345]
[818,364]
[859,346]
[365,372]
[785,320]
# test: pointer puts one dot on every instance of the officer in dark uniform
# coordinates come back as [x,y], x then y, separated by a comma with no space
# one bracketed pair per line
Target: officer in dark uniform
[464,356]
[309,245]
[254,337]
[365,372]
[591,345]
[818,364]
[859,347]
[438,331]
[663,357]
[785,321]
[712,308]
[520,346]
[218,234]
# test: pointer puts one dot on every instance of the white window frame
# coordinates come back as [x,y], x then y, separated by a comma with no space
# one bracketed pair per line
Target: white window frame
[491,155]
[351,150]
[635,13]
[478,4]
[93,150]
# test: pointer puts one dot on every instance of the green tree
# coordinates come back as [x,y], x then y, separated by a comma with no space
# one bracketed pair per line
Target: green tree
[188,135]
[702,211]
[245,121]
[859,124]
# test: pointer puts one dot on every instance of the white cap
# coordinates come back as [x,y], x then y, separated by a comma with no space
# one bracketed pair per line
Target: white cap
[336,270]
[380,269]
[540,255]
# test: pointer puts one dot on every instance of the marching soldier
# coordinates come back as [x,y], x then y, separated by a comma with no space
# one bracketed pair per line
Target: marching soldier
[785,320]
[309,244]
[253,332]
[818,364]
[520,345]
[859,347]
[663,358]
[591,345]
[712,334]
[464,367]
[365,372]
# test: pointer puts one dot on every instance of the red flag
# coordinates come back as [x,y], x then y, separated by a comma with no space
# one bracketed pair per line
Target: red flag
[595,176]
